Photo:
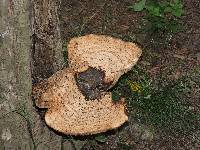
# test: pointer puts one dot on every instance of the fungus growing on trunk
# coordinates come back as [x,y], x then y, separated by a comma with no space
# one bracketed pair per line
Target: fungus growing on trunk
[113,56]
[76,99]
[70,113]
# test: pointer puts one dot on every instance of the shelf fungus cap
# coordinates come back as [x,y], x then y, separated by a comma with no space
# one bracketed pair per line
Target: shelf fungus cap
[114,56]
[70,113]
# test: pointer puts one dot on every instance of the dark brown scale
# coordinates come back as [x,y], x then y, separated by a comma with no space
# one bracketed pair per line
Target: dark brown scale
[91,83]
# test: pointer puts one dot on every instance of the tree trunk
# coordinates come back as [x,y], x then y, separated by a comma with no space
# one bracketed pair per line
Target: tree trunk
[47,46]
[20,124]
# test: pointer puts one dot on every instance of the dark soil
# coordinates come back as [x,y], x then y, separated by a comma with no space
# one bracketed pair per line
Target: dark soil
[164,61]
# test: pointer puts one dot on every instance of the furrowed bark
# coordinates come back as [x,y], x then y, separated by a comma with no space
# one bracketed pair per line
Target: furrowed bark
[47,46]
[20,124]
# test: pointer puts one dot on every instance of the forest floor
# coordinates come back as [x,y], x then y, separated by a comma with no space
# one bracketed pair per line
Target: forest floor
[169,72]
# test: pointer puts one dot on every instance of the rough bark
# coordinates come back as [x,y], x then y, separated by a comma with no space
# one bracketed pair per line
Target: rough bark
[46,51]
[47,46]
[20,125]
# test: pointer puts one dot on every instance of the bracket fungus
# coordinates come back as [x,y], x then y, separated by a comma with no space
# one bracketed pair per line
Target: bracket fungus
[114,56]
[76,98]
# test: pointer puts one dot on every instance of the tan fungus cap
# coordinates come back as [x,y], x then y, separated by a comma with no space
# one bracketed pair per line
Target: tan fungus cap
[68,111]
[112,55]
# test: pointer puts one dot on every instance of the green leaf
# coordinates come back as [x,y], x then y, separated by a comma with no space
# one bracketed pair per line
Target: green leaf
[164,4]
[139,6]
[177,12]
[168,9]
[115,95]
[131,7]
[175,27]
[153,10]
[177,8]
[101,138]
[176,3]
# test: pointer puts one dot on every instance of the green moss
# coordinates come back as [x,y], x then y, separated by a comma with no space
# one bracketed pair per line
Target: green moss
[162,106]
